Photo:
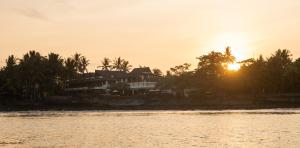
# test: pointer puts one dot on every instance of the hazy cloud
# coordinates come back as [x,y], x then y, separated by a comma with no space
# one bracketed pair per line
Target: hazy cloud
[32,13]
[42,10]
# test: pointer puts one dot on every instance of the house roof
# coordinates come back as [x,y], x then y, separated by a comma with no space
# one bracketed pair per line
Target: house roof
[110,74]
[141,71]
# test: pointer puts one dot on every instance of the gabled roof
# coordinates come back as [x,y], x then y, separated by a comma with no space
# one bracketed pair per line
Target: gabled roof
[110,74]
[141,71]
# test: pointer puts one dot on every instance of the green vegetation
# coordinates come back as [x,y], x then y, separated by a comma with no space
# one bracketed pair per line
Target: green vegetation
[34,76]
[275,74]
[118,64]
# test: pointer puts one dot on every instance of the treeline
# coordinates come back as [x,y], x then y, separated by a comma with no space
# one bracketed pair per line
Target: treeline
[34,76]
[275,74]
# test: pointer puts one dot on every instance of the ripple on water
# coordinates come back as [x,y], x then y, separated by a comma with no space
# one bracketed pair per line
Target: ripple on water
[263,128]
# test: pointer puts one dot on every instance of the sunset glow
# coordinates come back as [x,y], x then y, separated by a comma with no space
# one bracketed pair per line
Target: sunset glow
[233,67]
[149,73]
[153,33]
[238,42]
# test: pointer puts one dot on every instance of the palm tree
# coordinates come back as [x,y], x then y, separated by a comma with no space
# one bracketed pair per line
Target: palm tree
[81,63]
[54,64]
[105,64]
[229,58]
[126,66]
[11,62]
[84,62]
[70,68]
[117,64]
[77,57]
[32,70]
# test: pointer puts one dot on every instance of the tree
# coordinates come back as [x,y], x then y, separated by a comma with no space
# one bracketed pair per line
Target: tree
[32,71]
[168,73]
[10,76]
[211,73]
[291,77]
[253,75]
[125,66]
[157,72]
[177,79]
[211,64]
[70,69]
[84,62]
[117,64]
[275,68]
[81,63]
[54,73]
[229,58]
[181,69]
[105,64]
[2,81]
[77,59]
[11,62]
[120,64]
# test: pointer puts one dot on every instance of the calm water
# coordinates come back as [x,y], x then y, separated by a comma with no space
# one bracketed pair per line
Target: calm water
[258,128]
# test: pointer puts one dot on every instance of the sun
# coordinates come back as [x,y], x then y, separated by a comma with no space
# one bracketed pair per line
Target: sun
[239,43]
[233,67]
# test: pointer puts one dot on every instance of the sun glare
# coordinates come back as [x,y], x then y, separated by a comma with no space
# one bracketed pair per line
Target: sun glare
[238,42]
[233,66]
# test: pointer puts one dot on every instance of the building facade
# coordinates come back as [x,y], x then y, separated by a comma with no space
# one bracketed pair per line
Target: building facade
[107,82]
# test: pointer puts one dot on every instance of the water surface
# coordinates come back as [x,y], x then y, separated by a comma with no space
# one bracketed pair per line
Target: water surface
[239,128]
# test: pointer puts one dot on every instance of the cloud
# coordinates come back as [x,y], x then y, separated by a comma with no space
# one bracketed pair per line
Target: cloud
[36,9]
[53,9]
[32,13]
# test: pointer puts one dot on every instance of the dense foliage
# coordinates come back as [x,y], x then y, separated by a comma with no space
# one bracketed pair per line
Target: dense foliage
[34,76]
[275,74]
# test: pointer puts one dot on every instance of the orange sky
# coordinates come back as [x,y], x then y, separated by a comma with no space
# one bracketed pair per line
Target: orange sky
[156,33]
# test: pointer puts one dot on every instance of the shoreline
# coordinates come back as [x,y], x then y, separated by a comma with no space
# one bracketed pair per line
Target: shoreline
[126,108]
[76,103]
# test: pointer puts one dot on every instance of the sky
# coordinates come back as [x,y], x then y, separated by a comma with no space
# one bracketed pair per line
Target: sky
[156,33]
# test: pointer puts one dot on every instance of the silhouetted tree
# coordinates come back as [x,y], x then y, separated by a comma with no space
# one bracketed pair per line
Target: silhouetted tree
[54,73]
[291,77]
[229,58]
[10,76]
[120,64]
[181,69]
[70,70]
[84,62]
[157,72]
[81,63]
[34,76]
[275,67]
[32,71]
[117,63]
[253,73]
[105,64]
[125,66]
